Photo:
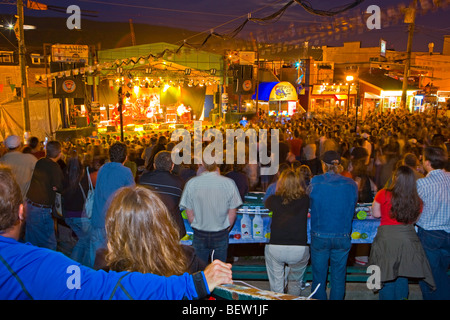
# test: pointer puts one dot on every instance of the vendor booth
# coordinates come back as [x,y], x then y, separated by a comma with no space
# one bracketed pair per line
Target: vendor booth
[277,98]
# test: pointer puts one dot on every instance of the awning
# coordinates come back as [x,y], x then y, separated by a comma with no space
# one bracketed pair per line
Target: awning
[340,96]
[369,95]
[264,90]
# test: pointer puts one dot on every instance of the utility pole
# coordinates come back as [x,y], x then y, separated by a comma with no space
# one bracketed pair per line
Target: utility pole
[411,19]
[46,57]
[120,96]
[23,69]
[133,36]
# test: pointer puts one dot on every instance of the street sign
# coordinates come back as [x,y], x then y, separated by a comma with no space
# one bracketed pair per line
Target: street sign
[70,53]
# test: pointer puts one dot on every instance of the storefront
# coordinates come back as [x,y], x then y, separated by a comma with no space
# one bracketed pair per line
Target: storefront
[380,93]
[333,98]
[443,98]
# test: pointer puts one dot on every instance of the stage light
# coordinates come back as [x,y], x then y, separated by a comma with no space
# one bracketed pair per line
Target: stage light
[166,87]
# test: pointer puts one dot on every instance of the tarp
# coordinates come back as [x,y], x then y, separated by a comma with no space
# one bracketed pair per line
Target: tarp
[264,90]
[11,118]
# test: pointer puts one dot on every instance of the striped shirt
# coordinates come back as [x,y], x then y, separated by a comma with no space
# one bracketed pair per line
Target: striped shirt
[210,196]
[434,190]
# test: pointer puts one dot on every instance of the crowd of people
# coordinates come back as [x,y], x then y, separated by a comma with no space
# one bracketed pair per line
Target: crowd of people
[326,165]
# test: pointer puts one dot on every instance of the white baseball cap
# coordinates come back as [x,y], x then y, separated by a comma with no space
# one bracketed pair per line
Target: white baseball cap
[12,142]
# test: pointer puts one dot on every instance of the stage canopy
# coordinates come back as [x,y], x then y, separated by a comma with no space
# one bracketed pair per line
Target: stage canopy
[163,60]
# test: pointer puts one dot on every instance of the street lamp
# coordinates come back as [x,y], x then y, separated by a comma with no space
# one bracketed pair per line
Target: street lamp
[349,79]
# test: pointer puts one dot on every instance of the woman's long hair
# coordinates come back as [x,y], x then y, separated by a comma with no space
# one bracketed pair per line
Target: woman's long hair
[290,186]
[142,235]
[74,171]
[406,203]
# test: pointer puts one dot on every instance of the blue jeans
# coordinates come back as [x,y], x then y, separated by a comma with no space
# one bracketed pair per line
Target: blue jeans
[82,228]
[97,241]
[332,249]
[395,290]
[40,228]
[436,244]
[205,242]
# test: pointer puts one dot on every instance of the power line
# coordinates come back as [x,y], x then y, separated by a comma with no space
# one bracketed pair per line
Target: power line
[156,8]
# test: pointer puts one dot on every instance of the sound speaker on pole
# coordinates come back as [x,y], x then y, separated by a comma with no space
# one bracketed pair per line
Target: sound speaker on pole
[243,81]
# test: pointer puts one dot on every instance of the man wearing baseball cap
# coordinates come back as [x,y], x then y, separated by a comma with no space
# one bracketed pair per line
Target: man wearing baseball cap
[333,198]
[21,164]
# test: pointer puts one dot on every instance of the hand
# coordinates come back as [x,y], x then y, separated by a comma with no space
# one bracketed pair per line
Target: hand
[218,273]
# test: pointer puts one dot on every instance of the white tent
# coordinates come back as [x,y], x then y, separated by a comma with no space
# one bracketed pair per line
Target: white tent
[12,122]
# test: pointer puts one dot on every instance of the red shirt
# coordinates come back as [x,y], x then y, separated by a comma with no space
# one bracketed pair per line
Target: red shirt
[383,197]
[295,146]
[39,154]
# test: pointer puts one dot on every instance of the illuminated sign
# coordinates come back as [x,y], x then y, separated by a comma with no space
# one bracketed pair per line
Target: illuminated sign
[382,48]
[283,91]
[70,53]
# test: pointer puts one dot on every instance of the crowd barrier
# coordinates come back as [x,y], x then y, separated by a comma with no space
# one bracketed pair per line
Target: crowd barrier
[364,226]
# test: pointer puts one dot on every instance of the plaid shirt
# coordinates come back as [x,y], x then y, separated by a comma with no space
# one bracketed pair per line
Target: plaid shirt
[434,190]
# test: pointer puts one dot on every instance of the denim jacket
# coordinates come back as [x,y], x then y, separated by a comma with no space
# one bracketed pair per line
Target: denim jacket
[111,177]
[333,198]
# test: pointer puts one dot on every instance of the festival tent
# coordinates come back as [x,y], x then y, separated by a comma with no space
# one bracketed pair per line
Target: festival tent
[280,97]
[11,115]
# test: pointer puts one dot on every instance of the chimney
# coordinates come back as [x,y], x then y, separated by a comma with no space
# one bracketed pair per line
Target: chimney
[430,48]
[446,47]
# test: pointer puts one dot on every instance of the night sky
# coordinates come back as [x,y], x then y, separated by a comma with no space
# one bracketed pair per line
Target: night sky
[223,16]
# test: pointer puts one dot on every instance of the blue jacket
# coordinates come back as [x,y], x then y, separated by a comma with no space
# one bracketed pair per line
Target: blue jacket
[111,177]
[333,198]
[30,272]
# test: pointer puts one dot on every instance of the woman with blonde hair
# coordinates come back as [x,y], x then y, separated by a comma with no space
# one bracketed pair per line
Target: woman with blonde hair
[143,237]
[287,252]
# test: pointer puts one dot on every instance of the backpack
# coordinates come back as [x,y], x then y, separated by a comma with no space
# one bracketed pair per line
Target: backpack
[89,199]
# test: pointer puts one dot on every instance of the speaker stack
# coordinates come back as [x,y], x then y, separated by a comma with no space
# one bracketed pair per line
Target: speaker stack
[243,79]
